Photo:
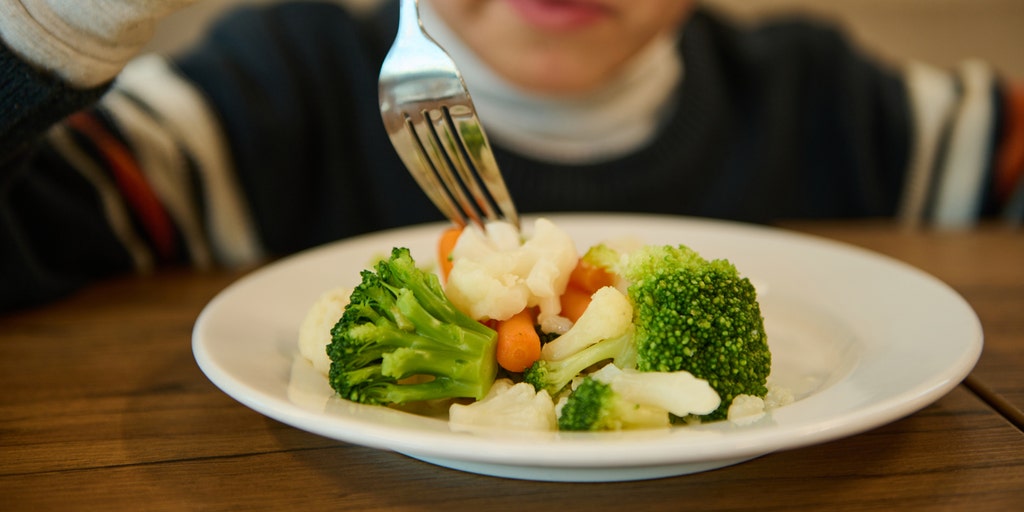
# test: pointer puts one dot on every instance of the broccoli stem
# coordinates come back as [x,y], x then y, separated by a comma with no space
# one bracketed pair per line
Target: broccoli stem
[439,332]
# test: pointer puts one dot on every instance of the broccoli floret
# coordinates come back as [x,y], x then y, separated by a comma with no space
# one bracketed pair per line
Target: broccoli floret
[401,340]
[694,315]
[553,376]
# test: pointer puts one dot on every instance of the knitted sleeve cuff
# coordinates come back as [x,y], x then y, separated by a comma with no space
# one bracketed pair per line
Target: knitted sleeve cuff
[32,100]
[85,42]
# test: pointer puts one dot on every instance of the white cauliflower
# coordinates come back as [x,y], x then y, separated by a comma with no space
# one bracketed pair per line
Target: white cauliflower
[679,393]
[746,409]
[608,315]
[495,274]
[507,405]
[777,396]
[315,330]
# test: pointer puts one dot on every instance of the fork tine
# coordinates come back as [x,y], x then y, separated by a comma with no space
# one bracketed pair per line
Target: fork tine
[464,164]
[475,146]
[443,164]
[417,160]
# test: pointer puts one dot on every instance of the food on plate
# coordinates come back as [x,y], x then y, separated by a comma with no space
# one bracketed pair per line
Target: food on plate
[496,274]
[616,399]
[315,331]
[508,405]
[525,333]
[692,314]
[554,374]
[401,340]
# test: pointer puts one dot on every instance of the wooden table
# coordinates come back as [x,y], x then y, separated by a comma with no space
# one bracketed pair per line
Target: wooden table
[103,408]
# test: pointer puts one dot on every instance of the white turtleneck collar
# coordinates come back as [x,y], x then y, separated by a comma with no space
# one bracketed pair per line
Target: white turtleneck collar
[619,118]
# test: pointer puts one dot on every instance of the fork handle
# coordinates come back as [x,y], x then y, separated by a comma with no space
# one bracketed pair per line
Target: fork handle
[409,24]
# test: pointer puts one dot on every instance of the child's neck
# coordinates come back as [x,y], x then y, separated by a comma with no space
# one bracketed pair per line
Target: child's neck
[608,123]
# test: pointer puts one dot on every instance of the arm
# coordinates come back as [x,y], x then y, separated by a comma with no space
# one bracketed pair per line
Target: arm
[254,142]
[57,58]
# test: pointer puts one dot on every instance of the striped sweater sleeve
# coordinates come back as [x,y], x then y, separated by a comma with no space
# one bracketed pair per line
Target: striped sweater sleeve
[185,159]
[968,149]
[140,179]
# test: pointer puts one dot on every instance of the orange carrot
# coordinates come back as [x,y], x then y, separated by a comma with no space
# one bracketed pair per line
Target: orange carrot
[574,302]
[444,249]
[584,280]
[518,342]
[589,278]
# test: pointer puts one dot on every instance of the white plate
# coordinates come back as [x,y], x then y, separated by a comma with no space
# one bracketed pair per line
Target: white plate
[861,340]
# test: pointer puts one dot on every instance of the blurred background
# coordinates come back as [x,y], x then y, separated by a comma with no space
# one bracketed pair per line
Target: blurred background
[940,32]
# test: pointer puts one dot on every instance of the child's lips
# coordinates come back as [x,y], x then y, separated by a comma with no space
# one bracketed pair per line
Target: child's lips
[559,14]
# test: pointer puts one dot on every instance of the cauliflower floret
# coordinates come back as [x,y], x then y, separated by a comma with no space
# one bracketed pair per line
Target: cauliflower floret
[608,315]
[495,275]
[315,330]
[679,393]
[507,405]
[746,409]
[777,396]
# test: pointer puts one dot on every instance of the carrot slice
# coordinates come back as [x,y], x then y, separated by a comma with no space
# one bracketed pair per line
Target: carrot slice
[584,280]
[444,249]
[574,302]
[590,278]
[518,342]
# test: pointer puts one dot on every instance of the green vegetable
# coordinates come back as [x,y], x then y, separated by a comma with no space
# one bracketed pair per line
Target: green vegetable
[689,314]
[694,315]
[401,340]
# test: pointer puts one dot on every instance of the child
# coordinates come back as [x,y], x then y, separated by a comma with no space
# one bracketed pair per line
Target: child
[266,138]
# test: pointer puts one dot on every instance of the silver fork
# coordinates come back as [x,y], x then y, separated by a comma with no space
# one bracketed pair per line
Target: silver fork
[431,120]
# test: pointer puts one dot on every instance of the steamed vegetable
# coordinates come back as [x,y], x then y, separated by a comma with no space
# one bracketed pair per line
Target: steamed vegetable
[401,340]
